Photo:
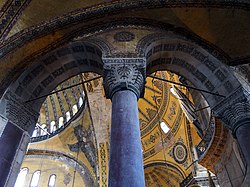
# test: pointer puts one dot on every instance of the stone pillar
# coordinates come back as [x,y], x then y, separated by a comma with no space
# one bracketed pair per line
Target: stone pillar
[234,111]
[13,145]
[242,134]
[16,123]
[124,84]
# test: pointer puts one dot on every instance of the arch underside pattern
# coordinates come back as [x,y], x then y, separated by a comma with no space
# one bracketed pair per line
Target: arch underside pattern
[160,173]
[43,76]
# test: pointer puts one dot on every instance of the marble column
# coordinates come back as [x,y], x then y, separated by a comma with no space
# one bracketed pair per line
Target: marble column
[124,84]
[17,121]
[13,145]
[242,134]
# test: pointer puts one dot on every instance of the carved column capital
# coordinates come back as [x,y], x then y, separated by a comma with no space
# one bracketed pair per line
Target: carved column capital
[124,74]
[234,110]
[18,112]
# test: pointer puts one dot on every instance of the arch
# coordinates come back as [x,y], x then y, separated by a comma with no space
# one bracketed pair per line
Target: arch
[70,161]
[164,171]
[202,68]
[19,104]
[44,75]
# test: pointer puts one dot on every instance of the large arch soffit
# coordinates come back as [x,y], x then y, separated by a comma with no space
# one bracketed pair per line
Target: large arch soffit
[203,69]
[174,168]
[43,76]
[55,67]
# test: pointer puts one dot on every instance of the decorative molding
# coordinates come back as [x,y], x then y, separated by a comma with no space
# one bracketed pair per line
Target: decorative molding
[103,163]
[184,47]
[10,12]
[124,74]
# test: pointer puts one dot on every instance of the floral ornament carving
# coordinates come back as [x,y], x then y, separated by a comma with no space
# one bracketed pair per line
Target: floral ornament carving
[124,74]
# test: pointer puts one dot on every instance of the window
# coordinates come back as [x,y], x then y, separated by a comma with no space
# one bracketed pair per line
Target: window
[60,122]
[21,177]
[74,109]
[164,127]
[52,126]
[35,179]
[43,130]
[68,116]
[34,134]
[80,102]
[52,181]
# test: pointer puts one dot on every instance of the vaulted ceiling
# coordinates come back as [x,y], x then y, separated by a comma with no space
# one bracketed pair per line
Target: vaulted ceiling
[30,29]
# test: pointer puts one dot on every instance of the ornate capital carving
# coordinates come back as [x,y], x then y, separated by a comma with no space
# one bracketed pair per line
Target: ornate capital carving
[234,111]
[124,74]
[18,112]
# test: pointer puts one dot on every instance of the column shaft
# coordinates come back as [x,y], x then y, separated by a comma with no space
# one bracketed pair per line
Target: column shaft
[126,162]
[243,137]
[12,153]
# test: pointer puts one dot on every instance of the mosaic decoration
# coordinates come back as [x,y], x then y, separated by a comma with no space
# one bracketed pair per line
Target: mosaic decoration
[10,13]
[67,179]
[124,36]
[103,164]
[179,152]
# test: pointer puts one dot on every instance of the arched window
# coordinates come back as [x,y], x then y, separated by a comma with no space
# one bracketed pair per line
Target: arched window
[74,109]
[52,126]
[68,116]
[164,127]
[35,179]
[80,102]
[34,134]
[60,122]
[43,130]
[21,177]
[52,181]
